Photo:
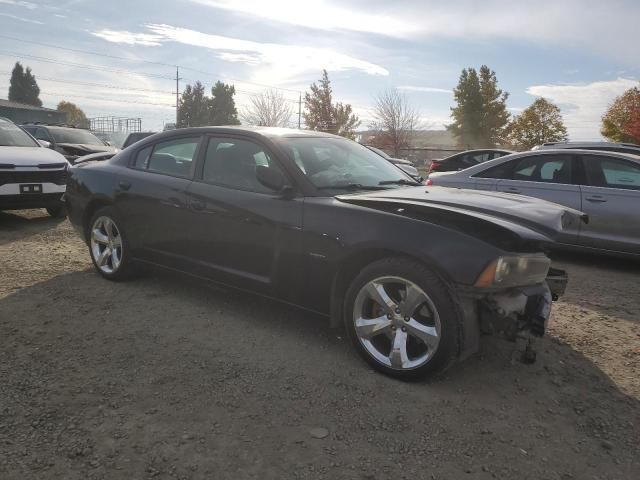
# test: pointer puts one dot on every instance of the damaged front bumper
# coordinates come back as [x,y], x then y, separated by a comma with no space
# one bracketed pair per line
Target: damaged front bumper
[518,313]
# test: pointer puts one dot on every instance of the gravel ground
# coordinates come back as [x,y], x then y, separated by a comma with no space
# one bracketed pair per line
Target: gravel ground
[165,377]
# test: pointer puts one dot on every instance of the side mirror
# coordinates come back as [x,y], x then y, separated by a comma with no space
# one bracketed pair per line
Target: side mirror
[271,178]
[44,143]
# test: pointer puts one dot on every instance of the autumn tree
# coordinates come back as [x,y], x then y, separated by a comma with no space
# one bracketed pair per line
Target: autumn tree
[23,87]
[480,115]
[268,109]
[394,120]
[539,123]
[75,115]
[621,122]
[194,107]
[320,113]
[222,106]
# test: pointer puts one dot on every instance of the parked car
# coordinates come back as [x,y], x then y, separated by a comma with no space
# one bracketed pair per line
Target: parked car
[135,137]
[31,176]
[604,185]
[70,142]
[321,222]
[631,148]
[467,159]
[405,165]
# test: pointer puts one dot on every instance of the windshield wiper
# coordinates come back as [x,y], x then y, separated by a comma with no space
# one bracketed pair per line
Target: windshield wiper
[350,186]
[402,181]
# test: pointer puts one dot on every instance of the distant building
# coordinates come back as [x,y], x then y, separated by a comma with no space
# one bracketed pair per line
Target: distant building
[21,113]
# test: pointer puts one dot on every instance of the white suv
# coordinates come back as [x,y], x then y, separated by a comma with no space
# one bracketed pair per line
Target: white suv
[31,176]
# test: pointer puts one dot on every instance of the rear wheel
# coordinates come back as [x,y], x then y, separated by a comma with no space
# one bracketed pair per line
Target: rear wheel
[108,246]
[402,319]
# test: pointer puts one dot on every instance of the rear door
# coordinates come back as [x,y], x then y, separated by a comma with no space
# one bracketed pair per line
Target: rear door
[152,199]
[611,198]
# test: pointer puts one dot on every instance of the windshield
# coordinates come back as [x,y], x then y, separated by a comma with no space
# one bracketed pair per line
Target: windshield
[379,152]
[13,136]
[335,163]
[70,135]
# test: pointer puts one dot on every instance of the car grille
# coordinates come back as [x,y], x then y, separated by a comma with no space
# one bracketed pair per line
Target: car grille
[59,177]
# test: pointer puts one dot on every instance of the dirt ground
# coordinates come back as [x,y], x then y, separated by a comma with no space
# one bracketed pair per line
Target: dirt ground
[166,377]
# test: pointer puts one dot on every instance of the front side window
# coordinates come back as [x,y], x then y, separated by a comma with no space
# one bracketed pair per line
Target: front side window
[612,173]
[232,162]
[334,163]
[173,157]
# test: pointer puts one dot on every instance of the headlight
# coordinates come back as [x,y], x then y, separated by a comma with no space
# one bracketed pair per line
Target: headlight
[516,271]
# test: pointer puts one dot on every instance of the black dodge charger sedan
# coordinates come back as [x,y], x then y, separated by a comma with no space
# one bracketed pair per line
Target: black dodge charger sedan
[414,273]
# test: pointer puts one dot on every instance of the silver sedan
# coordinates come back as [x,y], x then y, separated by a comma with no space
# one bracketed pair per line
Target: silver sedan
[604,185]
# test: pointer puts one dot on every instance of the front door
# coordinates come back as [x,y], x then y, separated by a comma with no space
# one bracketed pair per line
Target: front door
[242,232]
[611,198]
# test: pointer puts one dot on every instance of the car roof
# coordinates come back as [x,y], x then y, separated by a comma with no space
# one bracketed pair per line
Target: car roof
[477,150]
[588,144]
[269,132]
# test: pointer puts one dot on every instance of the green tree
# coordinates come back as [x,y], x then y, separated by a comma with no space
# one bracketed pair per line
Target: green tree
[75,115]
[620,122]
[194,107]
[539,123]
[480,115]
[321,114]
[23,87]
[222,106]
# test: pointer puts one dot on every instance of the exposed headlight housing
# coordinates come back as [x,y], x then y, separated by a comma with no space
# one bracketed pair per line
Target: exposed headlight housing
[515,271]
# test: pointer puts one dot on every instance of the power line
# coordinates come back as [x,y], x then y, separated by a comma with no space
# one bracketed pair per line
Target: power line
[70,95]
[85,51]
[82,65]
[90,84]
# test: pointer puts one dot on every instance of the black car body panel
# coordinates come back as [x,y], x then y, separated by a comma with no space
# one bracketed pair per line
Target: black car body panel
[301,245]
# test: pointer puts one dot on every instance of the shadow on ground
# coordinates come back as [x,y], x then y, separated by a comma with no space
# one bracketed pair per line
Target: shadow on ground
[167,377]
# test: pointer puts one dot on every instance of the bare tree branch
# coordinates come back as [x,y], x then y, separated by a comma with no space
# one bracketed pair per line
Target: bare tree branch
[267,109]
[394,119]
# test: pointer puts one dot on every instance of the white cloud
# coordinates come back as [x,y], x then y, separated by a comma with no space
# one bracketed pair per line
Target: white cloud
[416,88]
[21,19]
[279,62]
[326,15]
[129,38]
[19,3]
[591,26]
[583,105]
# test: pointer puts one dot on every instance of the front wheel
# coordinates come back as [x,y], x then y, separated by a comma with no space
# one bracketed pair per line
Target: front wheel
[108,246]
[402,319]
[59,211]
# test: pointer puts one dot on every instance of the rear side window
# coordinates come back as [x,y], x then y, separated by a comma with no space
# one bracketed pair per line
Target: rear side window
[499,172]
[173,157]
[612,173]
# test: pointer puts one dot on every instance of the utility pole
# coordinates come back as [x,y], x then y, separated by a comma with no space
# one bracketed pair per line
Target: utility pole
[177,94]
[299,111]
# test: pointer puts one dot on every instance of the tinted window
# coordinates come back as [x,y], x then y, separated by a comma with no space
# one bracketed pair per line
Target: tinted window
[613,173]
[175,157]
[72,135]
[501,171]
[232,163]
[142,158]
[42,134]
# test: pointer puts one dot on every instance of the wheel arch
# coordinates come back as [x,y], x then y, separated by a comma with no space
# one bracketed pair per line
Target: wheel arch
[353,264]
[93,206]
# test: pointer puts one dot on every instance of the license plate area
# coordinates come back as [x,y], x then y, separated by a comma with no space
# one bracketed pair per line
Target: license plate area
[30,188]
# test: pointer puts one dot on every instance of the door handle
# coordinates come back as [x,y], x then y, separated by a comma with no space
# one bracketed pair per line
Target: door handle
[512,190]
[596,199]
[124,185]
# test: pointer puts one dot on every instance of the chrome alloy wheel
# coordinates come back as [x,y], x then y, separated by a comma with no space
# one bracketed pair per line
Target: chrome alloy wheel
[396,322]
[106,245]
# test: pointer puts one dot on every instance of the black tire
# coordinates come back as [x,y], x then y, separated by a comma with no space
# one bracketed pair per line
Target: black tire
[127,267]
[59,211]
[447,350]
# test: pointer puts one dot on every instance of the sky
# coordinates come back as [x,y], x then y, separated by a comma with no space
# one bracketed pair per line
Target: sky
[118,58]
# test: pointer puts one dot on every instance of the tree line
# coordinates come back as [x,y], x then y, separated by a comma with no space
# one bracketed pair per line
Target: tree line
[480,117]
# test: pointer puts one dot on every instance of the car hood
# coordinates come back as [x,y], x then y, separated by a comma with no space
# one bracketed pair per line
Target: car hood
[29,156]
[504,210]
[84,149]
